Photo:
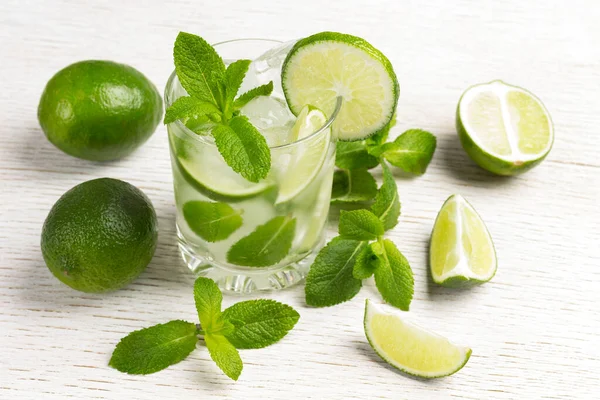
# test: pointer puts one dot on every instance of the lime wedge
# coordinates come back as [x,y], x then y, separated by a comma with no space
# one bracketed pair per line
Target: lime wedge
[305,159]
[461,251]
[322,67]
[504,128]
[411,348]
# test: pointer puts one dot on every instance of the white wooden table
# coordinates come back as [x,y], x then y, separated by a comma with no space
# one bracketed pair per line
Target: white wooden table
[533,329]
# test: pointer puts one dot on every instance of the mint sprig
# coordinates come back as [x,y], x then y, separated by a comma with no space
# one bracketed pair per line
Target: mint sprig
[249,324]
[338,270]
[212,105]
[412,152]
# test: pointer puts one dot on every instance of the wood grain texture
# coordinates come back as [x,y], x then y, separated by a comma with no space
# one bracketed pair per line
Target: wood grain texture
[533,329]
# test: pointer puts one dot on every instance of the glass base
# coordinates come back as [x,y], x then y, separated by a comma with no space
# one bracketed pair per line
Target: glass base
[245,280]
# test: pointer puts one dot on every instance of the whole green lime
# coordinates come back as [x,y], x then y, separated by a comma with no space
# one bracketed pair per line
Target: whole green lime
[100,235]
[99,110]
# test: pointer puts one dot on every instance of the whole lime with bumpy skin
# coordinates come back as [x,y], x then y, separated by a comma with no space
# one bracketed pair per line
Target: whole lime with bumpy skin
[100,235]
[99,110]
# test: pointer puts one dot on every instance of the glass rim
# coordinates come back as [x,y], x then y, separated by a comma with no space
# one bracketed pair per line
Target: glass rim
[200,138]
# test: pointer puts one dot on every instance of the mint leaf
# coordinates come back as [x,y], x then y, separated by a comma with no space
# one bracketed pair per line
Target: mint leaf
[353,185]
[199,68]
[387,202]
[259,323]
[412,151]
[262,90]
[354,155]
[393,275]
[234,76]
[208,298]
[200,124]
[225,355]
[330,279]
[365,264]
[375,141]
[243,147]
[360,225]
[211,221]
[267,245]
[186,107]
[152,349]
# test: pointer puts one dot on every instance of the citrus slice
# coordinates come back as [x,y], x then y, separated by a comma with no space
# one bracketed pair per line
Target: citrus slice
[304,161]
[461,251]
[322,67]
[208,173]
[410,348]
[504,128]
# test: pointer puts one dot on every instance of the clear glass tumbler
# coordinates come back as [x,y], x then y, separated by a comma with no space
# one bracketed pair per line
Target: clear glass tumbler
[294,198]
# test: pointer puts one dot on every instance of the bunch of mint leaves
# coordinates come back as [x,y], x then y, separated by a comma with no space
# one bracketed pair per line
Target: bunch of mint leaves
[212,105]
[250,324]
[360,251]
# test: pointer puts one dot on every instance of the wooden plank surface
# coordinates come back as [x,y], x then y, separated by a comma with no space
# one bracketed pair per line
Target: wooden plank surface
[533,329]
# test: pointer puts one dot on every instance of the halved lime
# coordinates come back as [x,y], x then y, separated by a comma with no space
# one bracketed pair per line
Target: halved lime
[503,128]
[305,159]
[322,67]
[410,348]
[461,251]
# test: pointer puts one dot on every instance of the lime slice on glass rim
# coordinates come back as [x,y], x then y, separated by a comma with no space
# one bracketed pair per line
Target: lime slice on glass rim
[306,157]
[410,348]
[461,251]
[503,128]
[326,65]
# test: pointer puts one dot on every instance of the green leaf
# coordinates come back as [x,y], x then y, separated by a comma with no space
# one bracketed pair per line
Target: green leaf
[234,76]
[225,355]
[243,147]
[353,186]
[375,141]
[153,349]
[412,151]
[365,264]
[267,245]
[262,90]
[354,155]
[330,279]
[259,323]
[360,225]
[208,300]
[387,202]
[211,221]
[199,68]
[188,107]
[393,275]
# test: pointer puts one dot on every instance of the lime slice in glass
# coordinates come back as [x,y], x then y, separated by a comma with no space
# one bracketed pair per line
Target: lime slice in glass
[461,251]
[209,174]
[410,348]
[302,163]
[322,67]
[503,128]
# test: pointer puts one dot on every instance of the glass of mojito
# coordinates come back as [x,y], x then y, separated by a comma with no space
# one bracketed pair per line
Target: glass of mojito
[251,236]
